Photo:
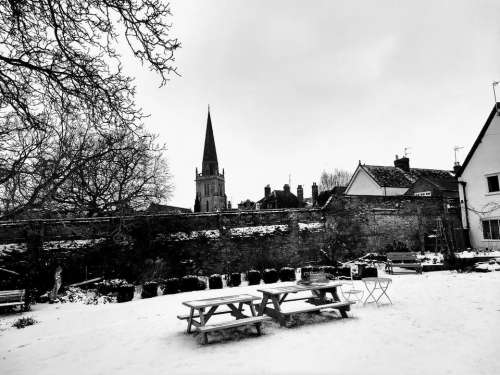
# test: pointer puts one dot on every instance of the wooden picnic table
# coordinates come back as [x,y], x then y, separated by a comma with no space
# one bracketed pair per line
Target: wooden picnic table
[198,310]
[317,300]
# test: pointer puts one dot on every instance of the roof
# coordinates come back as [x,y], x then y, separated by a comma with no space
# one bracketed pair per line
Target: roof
[396,177]
[478,139]
[284,199]
[209,152]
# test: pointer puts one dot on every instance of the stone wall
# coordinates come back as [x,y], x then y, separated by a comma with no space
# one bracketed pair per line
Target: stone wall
[140,246]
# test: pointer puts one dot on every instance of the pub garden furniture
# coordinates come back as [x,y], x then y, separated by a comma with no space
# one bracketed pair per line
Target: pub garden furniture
[377,288]
[204,309]
[317,300]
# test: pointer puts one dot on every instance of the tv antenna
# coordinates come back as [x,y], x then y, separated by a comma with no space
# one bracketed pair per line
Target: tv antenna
[455,149]
[406,153]
[290,180]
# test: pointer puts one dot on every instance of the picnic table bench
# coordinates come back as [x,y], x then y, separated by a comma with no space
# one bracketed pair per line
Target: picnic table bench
[13,298]
[198,307]
[317,300]
[403,260]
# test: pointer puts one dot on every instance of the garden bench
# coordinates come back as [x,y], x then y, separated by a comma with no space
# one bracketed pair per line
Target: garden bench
[12,298]
[403,260]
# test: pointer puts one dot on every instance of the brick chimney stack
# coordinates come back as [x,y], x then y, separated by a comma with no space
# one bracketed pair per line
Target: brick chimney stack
[314,189]
[267,191]
[403,163]
[286,188]
[300,195]
[456,167]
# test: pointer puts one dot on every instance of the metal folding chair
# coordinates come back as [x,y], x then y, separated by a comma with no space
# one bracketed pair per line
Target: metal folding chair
[350,292]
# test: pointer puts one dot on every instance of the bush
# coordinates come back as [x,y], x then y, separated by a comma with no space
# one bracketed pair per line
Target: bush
[329,270]
[287,274]
[190,283]
[110,286]
[171,286]
[24,322]
[305,271]
[344,271]
[235,279]
[215,281]
[369,272]
[149,289]
[125,293]
[253,277]
[270,275]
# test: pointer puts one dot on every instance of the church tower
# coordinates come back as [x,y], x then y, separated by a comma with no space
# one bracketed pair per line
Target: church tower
[210,184]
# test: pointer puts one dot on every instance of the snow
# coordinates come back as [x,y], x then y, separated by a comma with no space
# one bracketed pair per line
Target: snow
[440,323]
[257,230]
[478,254]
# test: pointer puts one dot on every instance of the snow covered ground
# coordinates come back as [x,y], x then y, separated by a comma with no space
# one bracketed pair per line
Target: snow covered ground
[440,323]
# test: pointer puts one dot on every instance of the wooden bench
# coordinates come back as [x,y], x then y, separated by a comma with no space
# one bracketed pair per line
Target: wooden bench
[235,323]
[403,260]
[12,298]
[341,306]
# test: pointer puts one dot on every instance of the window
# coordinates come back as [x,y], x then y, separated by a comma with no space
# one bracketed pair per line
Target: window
[207,191]
[423,194]
[493,185]
[491,229]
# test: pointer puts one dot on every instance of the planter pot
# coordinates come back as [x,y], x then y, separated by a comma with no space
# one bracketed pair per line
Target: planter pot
[270,276]
[253,277]
[215,282]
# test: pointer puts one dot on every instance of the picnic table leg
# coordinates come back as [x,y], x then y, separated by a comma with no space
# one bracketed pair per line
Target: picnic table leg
[277,308]
[336,298]
[263,304]
[202,323]
[190,320]
[257,325]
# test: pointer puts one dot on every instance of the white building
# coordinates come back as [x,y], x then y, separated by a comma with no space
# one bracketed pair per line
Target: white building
[479,186]
[388,180]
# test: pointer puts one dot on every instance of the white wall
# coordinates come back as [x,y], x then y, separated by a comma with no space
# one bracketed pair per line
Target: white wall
[481,204]
[363,184]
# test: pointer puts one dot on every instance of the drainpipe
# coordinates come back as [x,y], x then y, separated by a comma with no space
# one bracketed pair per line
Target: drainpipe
[463,183]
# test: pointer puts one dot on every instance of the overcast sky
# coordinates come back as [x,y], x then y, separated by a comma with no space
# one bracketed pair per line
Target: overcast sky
[301,86]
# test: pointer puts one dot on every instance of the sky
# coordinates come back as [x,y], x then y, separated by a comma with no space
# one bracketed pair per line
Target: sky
[299,87]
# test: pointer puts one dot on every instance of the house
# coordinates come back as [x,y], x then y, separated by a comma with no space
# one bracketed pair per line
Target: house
[280,198]
[434,187]
[155,208]
[480,186]
[246,205]
[396,180]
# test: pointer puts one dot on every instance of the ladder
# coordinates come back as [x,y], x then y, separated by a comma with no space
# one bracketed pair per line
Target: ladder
[441,238]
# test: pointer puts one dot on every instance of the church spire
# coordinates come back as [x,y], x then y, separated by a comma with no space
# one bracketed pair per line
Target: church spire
[210,164]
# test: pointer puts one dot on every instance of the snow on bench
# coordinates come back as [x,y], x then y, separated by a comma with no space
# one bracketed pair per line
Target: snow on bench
[404,260]
[234,323]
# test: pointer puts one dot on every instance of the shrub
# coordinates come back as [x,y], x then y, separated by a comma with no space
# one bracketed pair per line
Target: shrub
[370,272]
[253,277]
[344,271]
[24,322]
[125,293]
[215,281]
[270,275]
[149,289]
[171,286]
[287,274]
[329,270]
[305,271]
[190,283]
[202,285]
[235,279]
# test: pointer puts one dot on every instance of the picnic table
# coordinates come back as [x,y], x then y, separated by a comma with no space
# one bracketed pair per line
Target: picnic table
[198,309]
[377,288]
[317,300]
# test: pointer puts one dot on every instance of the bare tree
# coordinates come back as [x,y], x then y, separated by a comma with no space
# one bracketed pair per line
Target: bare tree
[129,177]
[62,89]
[338,177]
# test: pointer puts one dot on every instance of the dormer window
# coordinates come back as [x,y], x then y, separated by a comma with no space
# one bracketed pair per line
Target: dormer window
[493,185]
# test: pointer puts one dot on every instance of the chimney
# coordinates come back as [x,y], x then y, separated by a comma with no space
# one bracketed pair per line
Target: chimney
[456,167]
[286,188]
[300,195]
[403,163]
[267,191]
[314,189]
